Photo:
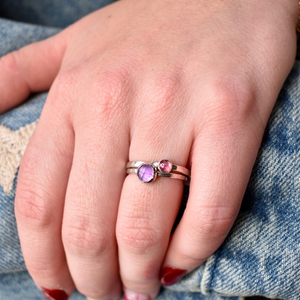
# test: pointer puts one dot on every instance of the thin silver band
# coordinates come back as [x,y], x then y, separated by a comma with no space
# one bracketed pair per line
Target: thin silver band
[175,168]
[169,175]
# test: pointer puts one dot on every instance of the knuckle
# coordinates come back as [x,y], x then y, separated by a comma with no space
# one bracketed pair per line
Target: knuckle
[81,238]
[208,223]
[109,98]
[229,101]
[138,235]
[166,90]
[31,207]
[65,83]
[164,103]
[111,89]
[43,269]
[34,203]
[165,94]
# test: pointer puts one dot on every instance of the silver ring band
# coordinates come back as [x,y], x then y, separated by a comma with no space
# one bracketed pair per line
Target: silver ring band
[169,175]
[175,168]
[148,171]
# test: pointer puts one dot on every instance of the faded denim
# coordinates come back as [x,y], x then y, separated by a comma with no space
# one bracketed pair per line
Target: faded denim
[261,255]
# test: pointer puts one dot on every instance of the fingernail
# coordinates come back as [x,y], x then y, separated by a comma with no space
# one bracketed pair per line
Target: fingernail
[54,294]
[129,295]
[170,275]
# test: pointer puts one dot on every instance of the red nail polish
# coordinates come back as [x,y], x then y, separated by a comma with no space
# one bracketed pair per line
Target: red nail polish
[170,275]
[54,294]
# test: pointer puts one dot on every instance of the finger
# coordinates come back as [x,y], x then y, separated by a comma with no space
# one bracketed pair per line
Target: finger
[41,189]
[221,167]
[147,211]
[94,189]
[30,69]
[145,221]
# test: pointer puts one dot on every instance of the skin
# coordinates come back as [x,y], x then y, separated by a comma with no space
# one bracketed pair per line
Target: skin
[191,81]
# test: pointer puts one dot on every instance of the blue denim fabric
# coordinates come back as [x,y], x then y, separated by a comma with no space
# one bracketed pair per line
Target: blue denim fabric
[54,13]
[261,255]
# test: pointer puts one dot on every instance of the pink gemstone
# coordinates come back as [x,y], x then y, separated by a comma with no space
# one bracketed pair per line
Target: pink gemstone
[165,166]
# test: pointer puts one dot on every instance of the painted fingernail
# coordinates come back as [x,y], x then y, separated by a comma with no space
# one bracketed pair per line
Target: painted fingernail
[170,275]
[129,295]
[54,294]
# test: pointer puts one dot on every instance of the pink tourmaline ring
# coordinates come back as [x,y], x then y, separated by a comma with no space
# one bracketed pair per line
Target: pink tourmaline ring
[148,171]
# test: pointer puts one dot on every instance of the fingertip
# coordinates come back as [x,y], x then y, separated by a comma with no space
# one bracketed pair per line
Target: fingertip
[130,295]
[170,276]
[54,294]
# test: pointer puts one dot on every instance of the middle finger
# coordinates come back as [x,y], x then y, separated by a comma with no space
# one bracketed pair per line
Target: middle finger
[93,193]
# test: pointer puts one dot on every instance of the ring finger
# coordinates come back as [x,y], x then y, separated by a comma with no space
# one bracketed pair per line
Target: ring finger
[147,211]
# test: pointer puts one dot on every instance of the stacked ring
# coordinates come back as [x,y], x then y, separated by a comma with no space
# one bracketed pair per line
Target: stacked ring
[148,171]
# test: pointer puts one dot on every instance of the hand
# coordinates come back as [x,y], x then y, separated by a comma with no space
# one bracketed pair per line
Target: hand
[191,81]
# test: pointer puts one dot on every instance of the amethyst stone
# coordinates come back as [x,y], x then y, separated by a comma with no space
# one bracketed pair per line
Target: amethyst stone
[146,173]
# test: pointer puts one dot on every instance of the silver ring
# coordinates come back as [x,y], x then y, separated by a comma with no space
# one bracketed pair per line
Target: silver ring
[148,171]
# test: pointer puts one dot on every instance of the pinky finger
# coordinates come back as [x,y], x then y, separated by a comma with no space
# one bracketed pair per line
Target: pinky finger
[30,69]
[220,175]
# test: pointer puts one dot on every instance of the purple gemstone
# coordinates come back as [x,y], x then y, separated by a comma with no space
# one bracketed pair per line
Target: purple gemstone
[146,173]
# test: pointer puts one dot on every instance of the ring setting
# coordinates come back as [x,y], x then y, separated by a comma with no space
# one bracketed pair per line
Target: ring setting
[165,166]
[148,171]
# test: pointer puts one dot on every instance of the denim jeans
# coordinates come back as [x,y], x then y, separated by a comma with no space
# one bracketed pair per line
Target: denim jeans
[260,256]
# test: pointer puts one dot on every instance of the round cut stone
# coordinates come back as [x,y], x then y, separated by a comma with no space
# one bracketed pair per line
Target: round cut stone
[165,166]
[146,173]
